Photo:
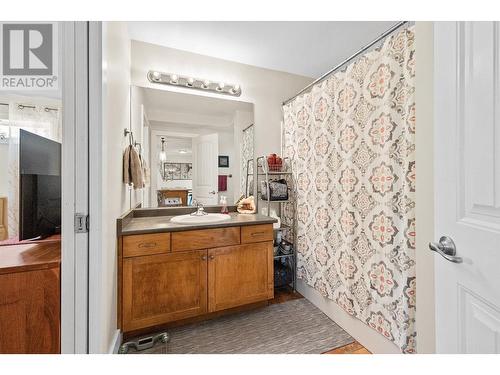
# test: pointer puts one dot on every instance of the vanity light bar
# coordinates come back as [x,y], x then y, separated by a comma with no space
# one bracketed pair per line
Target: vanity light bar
[172,79]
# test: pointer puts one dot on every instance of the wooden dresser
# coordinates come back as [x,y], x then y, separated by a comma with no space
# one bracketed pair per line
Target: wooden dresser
[30,298]
[182,194]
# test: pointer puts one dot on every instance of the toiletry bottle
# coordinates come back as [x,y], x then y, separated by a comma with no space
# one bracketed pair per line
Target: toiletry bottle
[223,203]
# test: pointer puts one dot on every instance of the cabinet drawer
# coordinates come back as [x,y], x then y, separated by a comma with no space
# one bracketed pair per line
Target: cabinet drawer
[146,244]
[257,233]
[205,238]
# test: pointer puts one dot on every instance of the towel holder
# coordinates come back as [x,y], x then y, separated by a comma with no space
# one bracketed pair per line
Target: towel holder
[131,139]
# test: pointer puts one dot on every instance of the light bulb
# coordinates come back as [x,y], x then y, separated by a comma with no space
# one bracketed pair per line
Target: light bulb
[190,82]
[206,84]
[235,89]
[174,79]
[156,76]
[221,86]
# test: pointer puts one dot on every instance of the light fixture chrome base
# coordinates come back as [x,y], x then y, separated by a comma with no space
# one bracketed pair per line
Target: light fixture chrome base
[172,79]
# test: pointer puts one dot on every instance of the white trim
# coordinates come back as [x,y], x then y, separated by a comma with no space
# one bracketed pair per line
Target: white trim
[366,336]
[115,342]
[96,92]
[68,192]
[74,171]
[424,196]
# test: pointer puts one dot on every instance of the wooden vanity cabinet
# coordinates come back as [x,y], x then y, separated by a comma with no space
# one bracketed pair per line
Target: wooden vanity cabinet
[197,273]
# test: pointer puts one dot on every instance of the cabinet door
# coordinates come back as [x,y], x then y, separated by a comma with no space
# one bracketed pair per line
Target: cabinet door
[239,275]
[161,288]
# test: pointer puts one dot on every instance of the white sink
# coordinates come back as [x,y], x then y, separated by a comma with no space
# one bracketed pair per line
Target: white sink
[205,219]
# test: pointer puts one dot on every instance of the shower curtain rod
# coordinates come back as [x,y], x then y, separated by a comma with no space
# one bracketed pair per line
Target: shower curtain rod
[378,39]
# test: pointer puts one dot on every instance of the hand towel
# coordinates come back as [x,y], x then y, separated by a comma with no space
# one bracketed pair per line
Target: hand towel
[126,166]
[136,172]
[222,183]
[132,168]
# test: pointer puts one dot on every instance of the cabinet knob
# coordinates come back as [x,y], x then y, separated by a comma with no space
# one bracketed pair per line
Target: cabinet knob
[203,257]
[212,257]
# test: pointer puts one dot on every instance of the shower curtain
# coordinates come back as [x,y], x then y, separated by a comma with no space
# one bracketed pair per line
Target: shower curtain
[351,139]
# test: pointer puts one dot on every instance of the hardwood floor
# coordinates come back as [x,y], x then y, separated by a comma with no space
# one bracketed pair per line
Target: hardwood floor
[354,348]
[286,294]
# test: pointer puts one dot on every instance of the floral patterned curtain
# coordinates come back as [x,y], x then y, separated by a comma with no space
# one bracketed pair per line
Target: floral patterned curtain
[351,139]
[247,153]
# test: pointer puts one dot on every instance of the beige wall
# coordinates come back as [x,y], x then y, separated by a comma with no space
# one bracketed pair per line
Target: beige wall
[424,159]
[267,89]
[115,196]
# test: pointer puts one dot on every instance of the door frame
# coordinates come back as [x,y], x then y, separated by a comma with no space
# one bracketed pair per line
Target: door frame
[74,171]
[424,194]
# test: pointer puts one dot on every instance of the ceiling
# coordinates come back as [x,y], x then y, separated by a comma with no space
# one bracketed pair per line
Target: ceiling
[304,48]
[175,144]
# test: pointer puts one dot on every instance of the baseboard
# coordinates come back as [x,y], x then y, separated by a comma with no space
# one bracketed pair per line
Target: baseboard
[366,336]
[115,342]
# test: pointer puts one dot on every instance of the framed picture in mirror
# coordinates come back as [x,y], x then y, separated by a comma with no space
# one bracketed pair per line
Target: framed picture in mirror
[178,171]
[223,161]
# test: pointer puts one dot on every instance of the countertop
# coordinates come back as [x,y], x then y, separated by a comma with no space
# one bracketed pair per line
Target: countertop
[29,257]
[156,224]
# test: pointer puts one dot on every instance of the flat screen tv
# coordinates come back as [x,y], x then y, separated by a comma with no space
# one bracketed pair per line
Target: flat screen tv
[40,186]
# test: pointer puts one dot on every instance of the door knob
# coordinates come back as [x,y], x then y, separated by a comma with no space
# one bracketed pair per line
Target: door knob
[212,192]
[446,248]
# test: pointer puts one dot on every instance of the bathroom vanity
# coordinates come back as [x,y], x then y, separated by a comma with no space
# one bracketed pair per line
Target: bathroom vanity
[170,272]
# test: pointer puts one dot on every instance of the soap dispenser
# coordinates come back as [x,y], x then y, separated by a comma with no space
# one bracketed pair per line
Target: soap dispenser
[223,203]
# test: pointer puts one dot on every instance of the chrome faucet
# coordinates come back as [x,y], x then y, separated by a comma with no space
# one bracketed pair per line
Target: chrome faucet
[200,211]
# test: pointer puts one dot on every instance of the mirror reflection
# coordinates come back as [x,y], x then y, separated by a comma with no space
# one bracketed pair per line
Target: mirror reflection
[198,149]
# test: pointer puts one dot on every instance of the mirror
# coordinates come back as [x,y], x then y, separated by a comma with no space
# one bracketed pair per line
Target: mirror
[196,148]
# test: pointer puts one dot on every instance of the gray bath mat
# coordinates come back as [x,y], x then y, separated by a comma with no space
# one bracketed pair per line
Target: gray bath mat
[293,327]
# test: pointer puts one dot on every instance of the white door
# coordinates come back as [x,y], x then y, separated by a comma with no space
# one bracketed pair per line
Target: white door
[75,188]
[467,185]
[205,168]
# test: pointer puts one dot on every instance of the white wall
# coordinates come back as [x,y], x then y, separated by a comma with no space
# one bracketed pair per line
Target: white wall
[424,201]
[115,195]
[267,89]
